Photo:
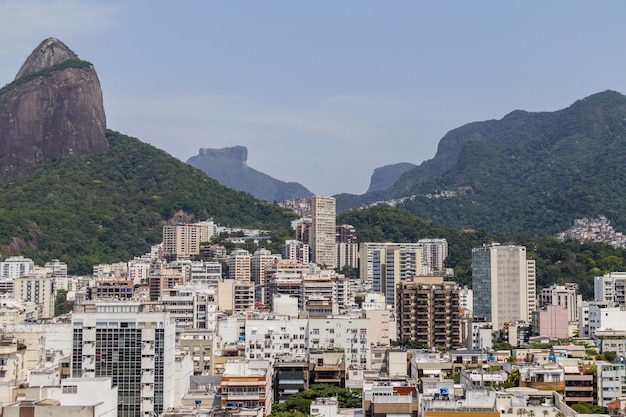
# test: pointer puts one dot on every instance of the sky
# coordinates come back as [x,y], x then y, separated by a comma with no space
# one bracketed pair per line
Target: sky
[323,92]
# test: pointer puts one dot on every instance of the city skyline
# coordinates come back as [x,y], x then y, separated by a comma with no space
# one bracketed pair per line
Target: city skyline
[345,88]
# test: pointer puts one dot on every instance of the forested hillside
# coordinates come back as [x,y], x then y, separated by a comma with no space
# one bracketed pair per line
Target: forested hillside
[557,261]
[530,173]
[86,210]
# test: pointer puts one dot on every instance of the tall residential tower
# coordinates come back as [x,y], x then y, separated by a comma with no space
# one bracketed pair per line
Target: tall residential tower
[323,231]
[503,280]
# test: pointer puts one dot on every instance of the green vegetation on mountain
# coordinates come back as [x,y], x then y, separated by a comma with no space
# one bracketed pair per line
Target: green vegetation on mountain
[557,262]
[86,210]
[531,173]
[44,72]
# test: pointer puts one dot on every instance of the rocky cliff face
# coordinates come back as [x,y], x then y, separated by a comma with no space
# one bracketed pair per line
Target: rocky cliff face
[52,109]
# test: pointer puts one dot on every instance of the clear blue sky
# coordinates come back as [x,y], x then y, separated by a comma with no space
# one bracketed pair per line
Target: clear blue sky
[324,92]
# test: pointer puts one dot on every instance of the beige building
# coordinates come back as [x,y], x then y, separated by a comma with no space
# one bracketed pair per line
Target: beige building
[235,295]
[183,240]
[239,265]
[37,289]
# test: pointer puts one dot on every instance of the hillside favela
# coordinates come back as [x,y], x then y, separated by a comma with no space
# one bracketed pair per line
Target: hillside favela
[487,281]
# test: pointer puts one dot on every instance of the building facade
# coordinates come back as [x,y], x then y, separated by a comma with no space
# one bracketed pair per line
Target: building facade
[503,281]
[428,312]
[132,345]
[323,231]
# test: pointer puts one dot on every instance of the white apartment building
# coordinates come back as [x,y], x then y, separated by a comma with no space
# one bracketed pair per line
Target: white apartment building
[206,272]
[56,268]
[352,335]
[132,345]
[347,254]
[605,316]
[16,266]
[433,253]
[610,288]
[138,270]
[296,250]
[278,337]
[323,231]
[191,308]
[503,281]
[611,379]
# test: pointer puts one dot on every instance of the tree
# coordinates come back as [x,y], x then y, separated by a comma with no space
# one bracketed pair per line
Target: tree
[61,305]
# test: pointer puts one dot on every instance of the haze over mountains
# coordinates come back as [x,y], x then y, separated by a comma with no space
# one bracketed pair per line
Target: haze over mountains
[229,166]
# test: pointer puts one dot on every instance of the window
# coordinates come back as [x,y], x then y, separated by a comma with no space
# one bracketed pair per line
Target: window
[316,331]
[70,389]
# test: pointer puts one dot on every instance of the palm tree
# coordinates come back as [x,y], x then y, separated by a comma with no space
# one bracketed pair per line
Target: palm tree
[531,413]
[559,414]
[545,413]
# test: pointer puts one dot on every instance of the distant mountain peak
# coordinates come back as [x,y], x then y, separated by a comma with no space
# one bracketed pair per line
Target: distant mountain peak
[229,166]
[50,52]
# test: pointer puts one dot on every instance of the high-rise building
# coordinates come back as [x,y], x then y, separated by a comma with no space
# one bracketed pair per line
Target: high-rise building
[183,240]
[346,233]
[431,262]
[259,262]
[347,254]
[392,266]
[323,231]
[428,312]
[610,288]
[132,345]
[503,280]
[239,263]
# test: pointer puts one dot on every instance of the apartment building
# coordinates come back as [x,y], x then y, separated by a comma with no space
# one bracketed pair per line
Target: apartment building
[183,240]
[38,289]
[503,281]
[323,231]
[239,265]
[296,250]
[133,345]
[248,384]
[428,312]
[16,266]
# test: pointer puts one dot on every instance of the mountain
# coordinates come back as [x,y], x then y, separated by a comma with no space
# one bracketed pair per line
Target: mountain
[528,173]
[384,177]
[229,166]
[91,209]
[53,108]
[74,191]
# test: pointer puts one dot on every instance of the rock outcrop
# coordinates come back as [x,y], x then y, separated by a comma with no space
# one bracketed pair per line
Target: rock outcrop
[52,109]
